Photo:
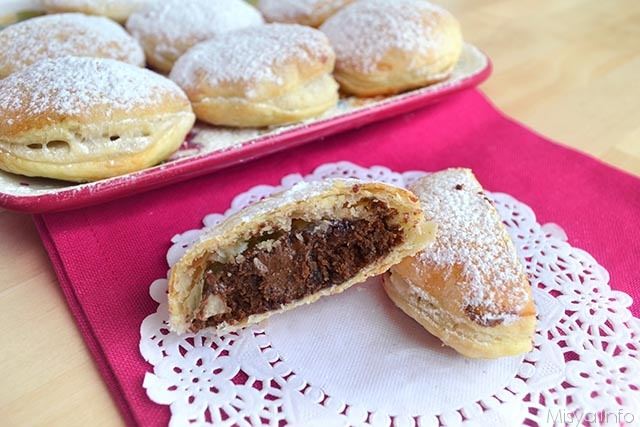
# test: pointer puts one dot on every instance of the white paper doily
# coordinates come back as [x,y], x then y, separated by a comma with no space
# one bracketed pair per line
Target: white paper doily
[355,359]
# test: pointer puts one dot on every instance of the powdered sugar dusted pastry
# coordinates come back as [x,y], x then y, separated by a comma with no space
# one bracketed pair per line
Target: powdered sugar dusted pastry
[389,46]
[118,10]
[67,34]
[304,12]
[469,287]
[259,76]
[82,119]
[168,28]
[313,240]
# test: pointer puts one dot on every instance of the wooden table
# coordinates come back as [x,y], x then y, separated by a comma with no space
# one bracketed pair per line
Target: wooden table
[568,69]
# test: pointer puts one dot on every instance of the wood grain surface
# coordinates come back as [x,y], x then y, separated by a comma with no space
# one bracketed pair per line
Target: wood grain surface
[569,69]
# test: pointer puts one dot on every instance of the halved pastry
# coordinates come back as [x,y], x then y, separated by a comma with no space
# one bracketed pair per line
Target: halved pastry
[313,240]
[468,288]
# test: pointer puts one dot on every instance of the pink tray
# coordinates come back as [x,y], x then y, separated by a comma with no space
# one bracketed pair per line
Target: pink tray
[207,153]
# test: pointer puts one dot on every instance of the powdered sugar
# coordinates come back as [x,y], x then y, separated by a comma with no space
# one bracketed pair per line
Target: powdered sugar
[364,32]
[251,56]
[470,235]
[65,34]
[70,86]
[176,25]
[93,4]
[289,10]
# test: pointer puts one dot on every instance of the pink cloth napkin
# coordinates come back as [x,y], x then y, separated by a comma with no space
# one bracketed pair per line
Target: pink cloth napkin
[106,256]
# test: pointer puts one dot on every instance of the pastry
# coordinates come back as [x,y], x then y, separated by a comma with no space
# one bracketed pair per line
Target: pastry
[389,46]
[67,34]
[118,10]
[259,76]
[313,240]
[82,119]
[468,288]
[168,28]
[308,12]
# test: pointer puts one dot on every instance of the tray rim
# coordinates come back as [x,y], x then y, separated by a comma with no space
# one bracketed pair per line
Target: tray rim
[201,164]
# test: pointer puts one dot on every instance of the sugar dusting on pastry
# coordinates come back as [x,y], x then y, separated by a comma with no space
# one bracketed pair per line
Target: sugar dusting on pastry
[176,24]
[364,32]
[310,12]
[69,86]
[493,276]
[66,34]
[251,56]
[91,4]
[293,8]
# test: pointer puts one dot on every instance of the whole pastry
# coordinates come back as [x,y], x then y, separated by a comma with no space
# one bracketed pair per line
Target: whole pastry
[304,12]
[167,29]
[82,119]
[118,10]
[389,46]
[260,76]
[66,34]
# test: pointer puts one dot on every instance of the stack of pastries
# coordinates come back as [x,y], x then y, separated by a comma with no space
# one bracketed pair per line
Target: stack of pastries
[234,65]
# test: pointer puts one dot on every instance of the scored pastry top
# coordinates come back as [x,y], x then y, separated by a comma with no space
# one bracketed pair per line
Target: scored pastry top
[490,282]
[65,34]
[83,90]
[255,62]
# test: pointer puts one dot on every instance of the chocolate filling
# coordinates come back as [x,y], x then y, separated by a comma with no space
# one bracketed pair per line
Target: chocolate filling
[279,267]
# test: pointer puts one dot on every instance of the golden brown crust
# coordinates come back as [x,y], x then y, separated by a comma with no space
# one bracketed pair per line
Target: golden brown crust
[466,337]
[307,201]
[308,101]
[82,119]
[260,76]
[310,13]
[469,287]
[388,46]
